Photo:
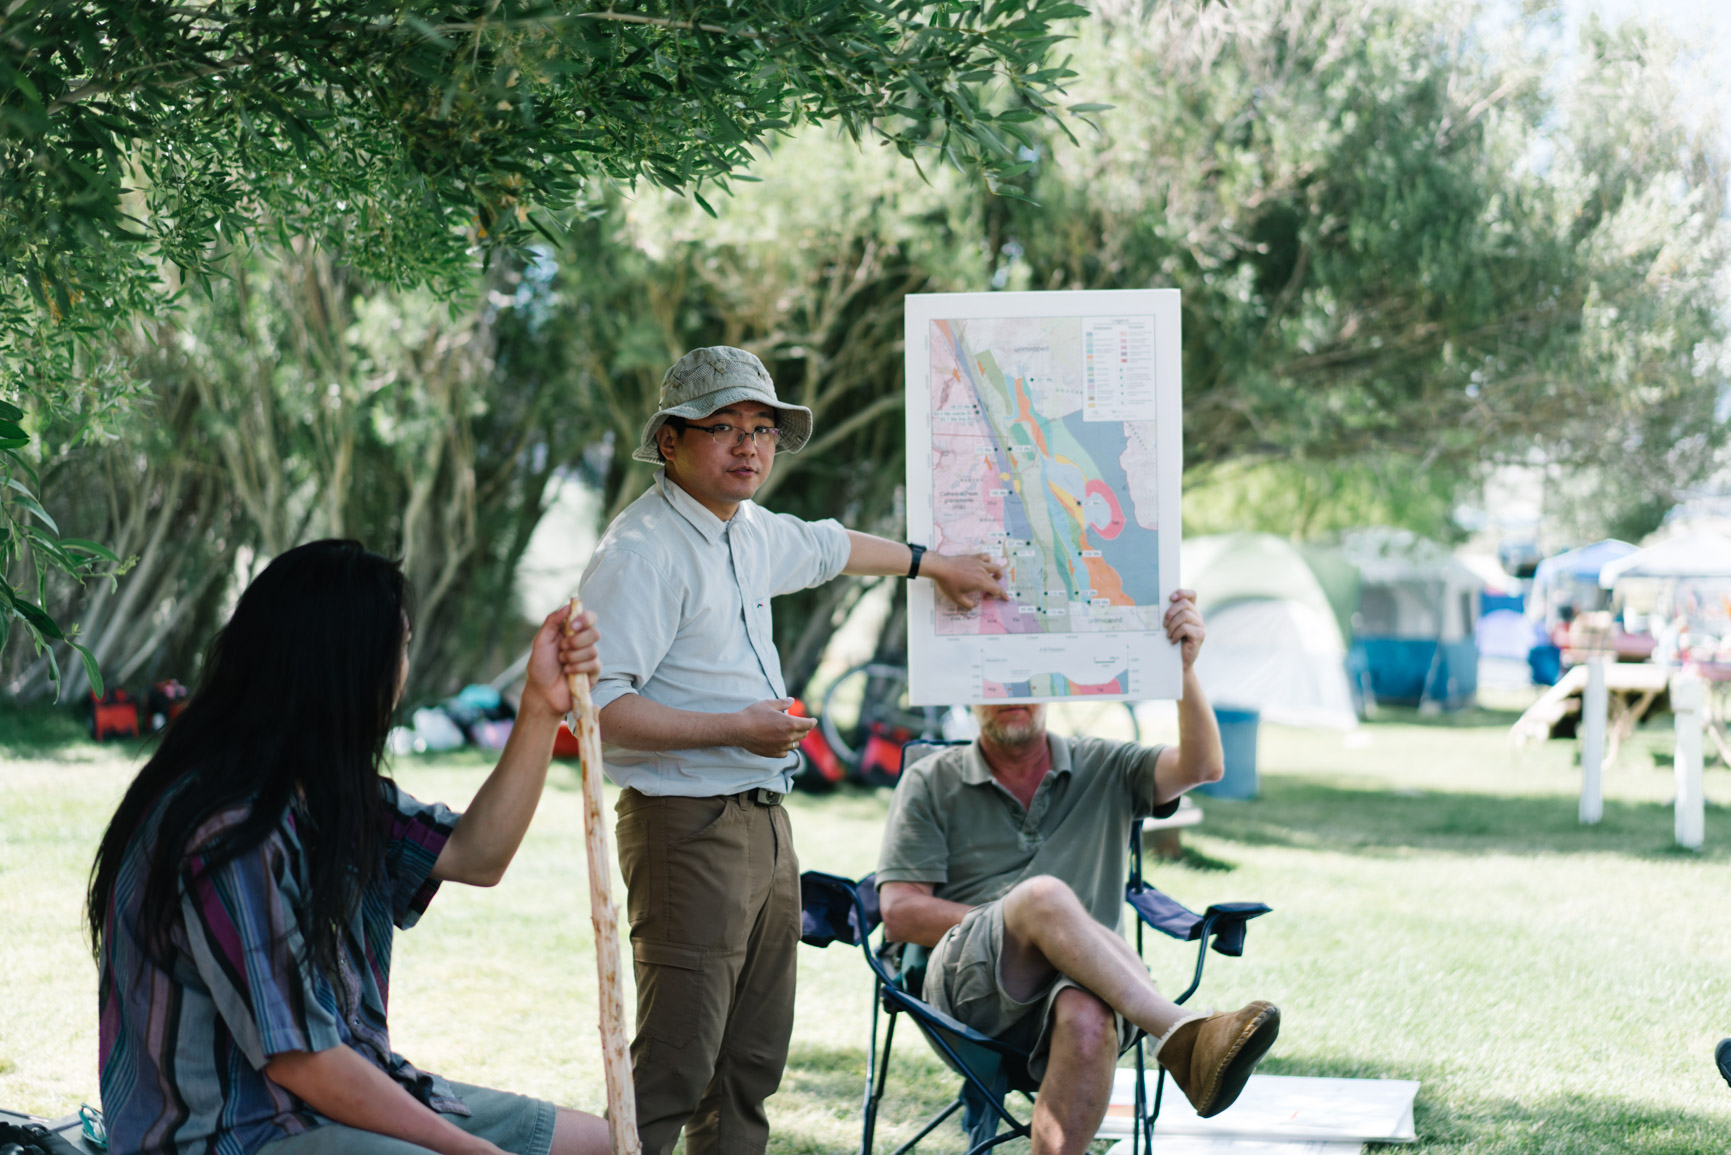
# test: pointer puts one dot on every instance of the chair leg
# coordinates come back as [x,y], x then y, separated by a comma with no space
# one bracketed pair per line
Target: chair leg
[1139,1115]
[1141,1132]
[986,1111]
[931,1125]
[868,1109]
[1159,1090]
[987,1098]
[1160,1078]
[877,1077]
[1201,960]
[980,1148]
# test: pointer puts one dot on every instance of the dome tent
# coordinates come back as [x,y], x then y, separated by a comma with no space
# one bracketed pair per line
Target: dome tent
[1275,643]
[1412,637]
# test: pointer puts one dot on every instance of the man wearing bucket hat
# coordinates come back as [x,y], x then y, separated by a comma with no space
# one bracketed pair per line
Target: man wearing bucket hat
[694,717]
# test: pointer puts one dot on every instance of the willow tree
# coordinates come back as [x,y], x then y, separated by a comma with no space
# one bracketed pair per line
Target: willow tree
[414,138]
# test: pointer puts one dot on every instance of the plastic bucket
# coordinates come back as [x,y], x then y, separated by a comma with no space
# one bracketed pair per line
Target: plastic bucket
[1238,743]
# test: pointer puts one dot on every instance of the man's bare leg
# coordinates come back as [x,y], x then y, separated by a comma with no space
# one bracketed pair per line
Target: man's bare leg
[1048,931]
[1078,1084]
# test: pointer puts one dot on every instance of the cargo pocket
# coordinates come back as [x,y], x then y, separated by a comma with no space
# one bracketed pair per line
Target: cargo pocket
[672,1001]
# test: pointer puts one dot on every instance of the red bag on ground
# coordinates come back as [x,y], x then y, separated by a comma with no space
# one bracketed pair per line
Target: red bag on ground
[114,715]
[881,763]
[823,767]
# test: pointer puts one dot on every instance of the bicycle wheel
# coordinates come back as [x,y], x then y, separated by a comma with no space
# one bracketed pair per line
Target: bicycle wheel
[872,699]
[1082,718]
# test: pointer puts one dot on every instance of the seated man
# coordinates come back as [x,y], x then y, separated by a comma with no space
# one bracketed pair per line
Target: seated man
[1007,857]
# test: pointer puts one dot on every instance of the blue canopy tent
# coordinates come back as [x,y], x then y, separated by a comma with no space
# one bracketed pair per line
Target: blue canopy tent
[1568,583]
[1413,632]
[1564,585]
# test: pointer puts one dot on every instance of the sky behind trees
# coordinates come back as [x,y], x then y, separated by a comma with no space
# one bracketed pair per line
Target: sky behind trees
[1705,25]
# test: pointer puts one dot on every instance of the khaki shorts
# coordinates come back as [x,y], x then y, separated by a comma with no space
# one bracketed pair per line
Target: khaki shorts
[516,1123]
[964,981]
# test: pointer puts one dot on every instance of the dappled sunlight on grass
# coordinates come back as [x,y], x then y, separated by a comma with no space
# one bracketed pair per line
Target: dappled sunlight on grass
[1439,915]
[1300,811]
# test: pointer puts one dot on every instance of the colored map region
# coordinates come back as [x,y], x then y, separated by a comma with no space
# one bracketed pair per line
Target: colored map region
[1056,686]
[1043,455]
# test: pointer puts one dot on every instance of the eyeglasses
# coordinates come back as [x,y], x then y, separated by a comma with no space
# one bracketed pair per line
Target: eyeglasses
[766,436]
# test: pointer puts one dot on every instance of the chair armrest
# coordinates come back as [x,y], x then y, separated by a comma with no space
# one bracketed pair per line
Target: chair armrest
[834,909]
[1164,913]
[1229,919]
[1170,917]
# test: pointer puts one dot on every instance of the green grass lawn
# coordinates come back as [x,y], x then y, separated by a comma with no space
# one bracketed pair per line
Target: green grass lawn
[1439,915]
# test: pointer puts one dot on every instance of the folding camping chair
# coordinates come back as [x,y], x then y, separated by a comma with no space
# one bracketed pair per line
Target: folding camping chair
[839,909]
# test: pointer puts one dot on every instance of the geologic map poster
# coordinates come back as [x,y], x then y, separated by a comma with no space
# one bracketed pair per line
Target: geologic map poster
[1043,429]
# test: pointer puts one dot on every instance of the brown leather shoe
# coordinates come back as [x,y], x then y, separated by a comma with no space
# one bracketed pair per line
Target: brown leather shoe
[1211,1059]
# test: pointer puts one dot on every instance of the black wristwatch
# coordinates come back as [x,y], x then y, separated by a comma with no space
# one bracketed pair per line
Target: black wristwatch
[914,569]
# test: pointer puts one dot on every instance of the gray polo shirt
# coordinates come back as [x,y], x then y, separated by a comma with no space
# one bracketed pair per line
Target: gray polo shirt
[682,599]
[952,824]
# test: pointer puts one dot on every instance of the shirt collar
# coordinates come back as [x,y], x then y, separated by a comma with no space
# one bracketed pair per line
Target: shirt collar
[975,771]
[711,527]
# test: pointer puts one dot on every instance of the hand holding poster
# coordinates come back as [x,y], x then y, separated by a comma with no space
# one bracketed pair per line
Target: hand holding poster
[1043,429]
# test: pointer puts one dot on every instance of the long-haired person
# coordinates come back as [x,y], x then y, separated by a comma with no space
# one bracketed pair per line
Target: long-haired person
[242,902]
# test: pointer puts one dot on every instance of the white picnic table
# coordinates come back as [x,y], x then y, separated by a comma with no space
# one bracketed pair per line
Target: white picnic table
[1631,688]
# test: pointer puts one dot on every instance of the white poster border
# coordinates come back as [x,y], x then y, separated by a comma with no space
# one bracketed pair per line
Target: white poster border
[1161,672]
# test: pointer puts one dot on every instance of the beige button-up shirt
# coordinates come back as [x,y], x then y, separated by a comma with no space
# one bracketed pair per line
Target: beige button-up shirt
[682,599]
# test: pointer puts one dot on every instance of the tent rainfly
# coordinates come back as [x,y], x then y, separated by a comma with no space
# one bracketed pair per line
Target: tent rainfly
[1274,644]
[1413,639]
[1695,555]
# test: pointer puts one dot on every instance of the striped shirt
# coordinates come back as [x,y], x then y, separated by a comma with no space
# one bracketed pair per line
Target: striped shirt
[183,1047]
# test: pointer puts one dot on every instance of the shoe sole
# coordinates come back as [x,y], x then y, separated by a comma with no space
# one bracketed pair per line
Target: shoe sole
[1252,1045]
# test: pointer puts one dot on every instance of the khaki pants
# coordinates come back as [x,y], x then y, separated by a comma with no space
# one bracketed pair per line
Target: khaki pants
[713,896]
[518,1124]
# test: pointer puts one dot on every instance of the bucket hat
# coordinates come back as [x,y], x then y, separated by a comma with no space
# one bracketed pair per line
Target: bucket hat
[708,379]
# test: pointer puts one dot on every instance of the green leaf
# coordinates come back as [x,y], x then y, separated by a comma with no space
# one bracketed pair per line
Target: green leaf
[42,543]
[1092,107]
[11,412]
[35,507]
[90,547]
[53,671]
[91,670]
[37,619]
[26,87]
[703,204]
[29,469]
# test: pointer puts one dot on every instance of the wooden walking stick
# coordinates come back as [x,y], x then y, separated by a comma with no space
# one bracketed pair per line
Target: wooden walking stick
[604,914]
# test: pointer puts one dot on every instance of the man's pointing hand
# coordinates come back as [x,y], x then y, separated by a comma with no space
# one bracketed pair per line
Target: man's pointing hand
[964,578]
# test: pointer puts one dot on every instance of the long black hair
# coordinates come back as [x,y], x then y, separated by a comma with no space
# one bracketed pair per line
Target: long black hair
[293,705]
